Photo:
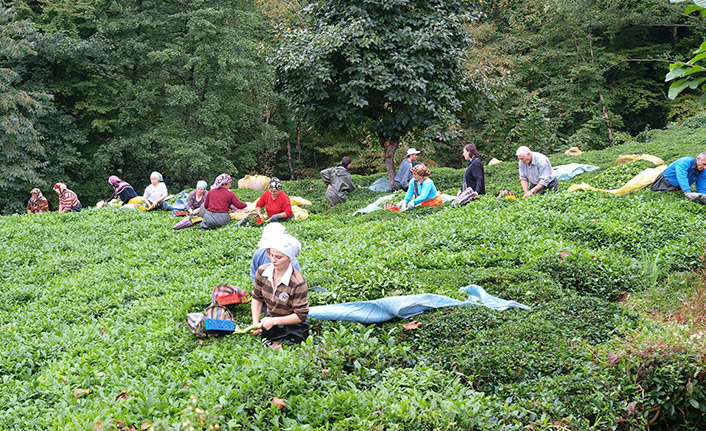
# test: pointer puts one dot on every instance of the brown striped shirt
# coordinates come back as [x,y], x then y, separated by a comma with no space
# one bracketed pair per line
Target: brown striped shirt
[286,299]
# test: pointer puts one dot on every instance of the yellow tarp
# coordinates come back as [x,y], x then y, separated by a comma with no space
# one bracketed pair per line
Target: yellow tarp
[299,213]
[626,158]
[239,215]
[640,181]
[296,200]
[255,182]
[573,151]
[494,161]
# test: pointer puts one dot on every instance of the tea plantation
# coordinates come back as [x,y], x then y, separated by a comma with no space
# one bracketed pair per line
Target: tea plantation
[92,330]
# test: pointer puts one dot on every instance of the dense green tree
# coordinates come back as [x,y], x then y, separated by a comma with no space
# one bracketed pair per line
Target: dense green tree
[690,75]
[194,87]
[389,67]
[559,73]
[22,152]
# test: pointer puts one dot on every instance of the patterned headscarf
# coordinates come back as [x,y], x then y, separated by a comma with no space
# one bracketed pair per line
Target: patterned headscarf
[275,184]
[221,181]
[421,170]
[156,174]
[60,186]
[118,184]
[39,197]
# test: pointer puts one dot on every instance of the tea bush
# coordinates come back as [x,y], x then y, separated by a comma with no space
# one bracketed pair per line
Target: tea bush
[93,304]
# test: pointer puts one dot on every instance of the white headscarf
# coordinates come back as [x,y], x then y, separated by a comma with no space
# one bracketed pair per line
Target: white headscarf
[285,244]
[270,233]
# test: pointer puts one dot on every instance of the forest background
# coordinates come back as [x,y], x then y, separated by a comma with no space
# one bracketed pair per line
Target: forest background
[92,88]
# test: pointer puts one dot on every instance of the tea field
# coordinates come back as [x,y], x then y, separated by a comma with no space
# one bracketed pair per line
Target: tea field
[92,307]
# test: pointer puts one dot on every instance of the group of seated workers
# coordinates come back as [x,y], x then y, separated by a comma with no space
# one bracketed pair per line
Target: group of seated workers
[535,175]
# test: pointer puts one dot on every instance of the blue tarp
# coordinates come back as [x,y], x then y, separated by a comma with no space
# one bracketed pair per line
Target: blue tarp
[567,172]
[381,185]
[403,307]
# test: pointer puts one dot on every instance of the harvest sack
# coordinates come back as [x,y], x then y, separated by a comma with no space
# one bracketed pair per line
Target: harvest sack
[465,196]
[255,182]
[196,321]
[626,158]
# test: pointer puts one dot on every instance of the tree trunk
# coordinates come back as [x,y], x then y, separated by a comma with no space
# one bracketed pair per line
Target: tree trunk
[606,118]
[388,151]
[289,160]
[299,146]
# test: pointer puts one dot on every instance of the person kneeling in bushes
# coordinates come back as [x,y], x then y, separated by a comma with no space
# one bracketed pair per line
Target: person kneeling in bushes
[68,200]
[275,202]
[536,173]
[422,190]
[681,174]
[284,291]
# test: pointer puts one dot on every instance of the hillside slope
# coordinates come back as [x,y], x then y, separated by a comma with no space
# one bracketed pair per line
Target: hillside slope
[93,304]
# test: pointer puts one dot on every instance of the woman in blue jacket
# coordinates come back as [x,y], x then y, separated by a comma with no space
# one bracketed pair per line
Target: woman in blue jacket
[421,189]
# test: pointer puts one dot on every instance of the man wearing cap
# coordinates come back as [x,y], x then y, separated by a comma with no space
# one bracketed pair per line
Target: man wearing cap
[536,174]
[404,173]
[338,181]
[282,288]
[681,174]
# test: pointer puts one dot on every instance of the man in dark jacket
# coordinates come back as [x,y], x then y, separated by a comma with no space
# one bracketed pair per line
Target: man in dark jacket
[338,181]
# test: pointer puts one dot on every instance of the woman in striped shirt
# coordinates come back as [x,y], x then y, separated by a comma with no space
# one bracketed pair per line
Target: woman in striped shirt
[285,292]
[68,201]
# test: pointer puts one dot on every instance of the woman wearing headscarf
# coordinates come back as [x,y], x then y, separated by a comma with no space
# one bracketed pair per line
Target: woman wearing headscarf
[196,198]
[282,288]
[260,257]
[218,202]
[473,177]
[156,192]
[121,189]
[37,203]
[68,200]
[275,201]
[421,189]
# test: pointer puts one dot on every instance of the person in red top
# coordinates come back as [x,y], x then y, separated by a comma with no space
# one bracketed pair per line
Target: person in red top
[218,202]
[275,201]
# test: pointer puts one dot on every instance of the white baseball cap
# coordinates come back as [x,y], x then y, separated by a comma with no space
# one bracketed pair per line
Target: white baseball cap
[412,151]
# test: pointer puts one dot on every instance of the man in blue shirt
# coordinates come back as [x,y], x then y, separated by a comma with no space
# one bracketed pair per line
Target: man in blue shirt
[404,173]
[681,174]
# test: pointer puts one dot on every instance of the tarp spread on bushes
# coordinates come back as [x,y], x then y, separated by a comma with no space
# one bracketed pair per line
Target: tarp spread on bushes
[567,172]
[380,185]
[403,307]
[640,181]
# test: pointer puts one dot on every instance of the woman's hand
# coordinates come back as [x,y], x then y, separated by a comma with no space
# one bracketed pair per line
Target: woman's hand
[268,322]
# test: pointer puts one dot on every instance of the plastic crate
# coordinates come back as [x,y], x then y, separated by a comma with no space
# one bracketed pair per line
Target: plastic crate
[231,298]
[219,325]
